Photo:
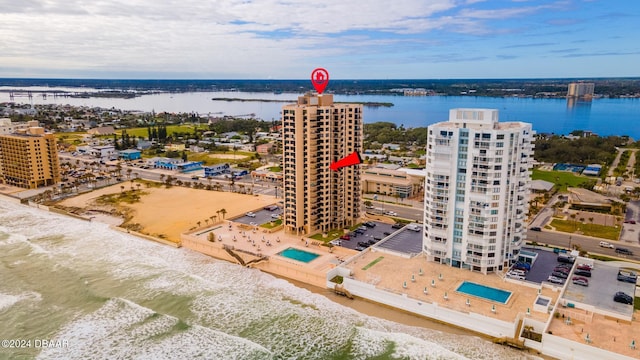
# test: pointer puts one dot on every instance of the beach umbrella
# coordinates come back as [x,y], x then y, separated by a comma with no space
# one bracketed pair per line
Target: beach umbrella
[425,290]
[404,284]
[440,276]
[587,338]
[420,272]
[633,344]
[413,278]
[493,309]
[446,297]
[468,302]
[528,312]
[433,283]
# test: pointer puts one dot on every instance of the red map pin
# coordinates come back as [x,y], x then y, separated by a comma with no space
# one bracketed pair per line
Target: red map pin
[320,79]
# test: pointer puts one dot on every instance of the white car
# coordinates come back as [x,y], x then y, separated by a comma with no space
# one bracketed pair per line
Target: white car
[275,216]
[605,244]
[391,213]
[250,214]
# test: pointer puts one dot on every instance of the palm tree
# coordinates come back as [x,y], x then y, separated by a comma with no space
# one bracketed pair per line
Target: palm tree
[591,221]
[211,217]
[121,188]
[129,173]
[199,223]
[241,186]
[161,177]
[138,185]
[573,218]
[206,221]
[218,212]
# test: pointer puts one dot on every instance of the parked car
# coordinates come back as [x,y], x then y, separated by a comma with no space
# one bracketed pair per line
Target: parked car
[271,207]
[360,248]
[607,245]
[629,277]
[414,227]
[369,224]
[580,281]
[359,231]
[512,275]
[523,265]
[624,251]
[586,273]
[345,237]
[535,228]
[585,267]
[621,297]
[562,269]
[519,267]
[386,233]
[391,213]
[372,241]
[397,226]
[363,243]
[560,274]
[564,258]
[629,221]
[250,214]
[555,280]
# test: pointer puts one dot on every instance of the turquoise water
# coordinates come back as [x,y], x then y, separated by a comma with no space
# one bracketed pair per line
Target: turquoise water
[484,292]
[300,255]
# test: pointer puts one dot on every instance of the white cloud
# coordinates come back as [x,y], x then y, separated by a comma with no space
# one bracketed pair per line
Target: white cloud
[281,38]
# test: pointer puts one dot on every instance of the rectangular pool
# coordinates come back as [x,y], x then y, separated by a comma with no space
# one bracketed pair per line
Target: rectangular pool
[299,255]
[485,292]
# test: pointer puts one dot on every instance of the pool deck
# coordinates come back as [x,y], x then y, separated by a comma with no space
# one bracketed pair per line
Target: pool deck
[390,273]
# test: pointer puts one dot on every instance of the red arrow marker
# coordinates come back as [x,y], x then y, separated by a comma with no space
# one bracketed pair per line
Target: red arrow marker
[353,159]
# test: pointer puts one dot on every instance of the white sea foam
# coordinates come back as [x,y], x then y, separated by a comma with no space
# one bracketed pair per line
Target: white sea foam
[123,329]
[6,301]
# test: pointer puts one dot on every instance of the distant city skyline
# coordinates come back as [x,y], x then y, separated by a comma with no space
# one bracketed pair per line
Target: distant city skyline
[277,39]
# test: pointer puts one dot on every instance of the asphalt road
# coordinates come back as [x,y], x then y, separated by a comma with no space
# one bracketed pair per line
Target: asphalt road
[586,243]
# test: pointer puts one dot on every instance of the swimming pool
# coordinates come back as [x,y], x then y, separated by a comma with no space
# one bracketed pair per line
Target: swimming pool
[299,255]
[485,292]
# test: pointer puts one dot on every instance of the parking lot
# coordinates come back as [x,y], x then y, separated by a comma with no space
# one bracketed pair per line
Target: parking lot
[405,241]
[377,232]
[603,284]
[262,216]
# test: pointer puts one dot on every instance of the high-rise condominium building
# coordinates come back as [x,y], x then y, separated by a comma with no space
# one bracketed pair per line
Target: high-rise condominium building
[581,90]
[317,132]
[476,188]
[29,158]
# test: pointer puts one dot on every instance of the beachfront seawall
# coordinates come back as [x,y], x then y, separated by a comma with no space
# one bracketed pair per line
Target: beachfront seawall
[472,321]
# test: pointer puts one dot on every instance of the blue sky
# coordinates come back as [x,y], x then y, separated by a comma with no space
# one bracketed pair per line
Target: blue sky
[287,39]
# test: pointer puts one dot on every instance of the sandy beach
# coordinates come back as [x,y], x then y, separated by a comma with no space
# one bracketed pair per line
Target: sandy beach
[167,212]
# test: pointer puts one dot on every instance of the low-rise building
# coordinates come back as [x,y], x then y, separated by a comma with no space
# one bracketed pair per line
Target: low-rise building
[129,154]
[390,182]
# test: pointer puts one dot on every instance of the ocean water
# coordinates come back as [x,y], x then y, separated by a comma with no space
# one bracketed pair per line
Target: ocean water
[602,116]
[107,295]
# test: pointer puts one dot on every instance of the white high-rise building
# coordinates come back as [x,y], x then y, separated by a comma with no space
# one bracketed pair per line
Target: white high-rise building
[476,188]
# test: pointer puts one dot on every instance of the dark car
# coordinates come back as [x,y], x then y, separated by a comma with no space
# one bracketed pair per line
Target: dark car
[369,224]
[535,228]
[363,243]
[630,277]
[359,231]
[562,269]
[586,273]
[386,233]
[397,226]
[624,251]
[560,274]
[623,298]
[520,267]
[372,241]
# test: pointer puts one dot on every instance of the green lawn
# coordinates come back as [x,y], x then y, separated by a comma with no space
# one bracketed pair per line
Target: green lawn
[272,224]
[142,131]
[560,178]
[275,169]
[595,230]
[332,235]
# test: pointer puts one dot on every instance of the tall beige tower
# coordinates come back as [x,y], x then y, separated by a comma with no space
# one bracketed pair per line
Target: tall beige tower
[29,158]
[316,132]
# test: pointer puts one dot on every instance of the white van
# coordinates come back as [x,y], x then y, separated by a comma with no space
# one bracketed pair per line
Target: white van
[413,227]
